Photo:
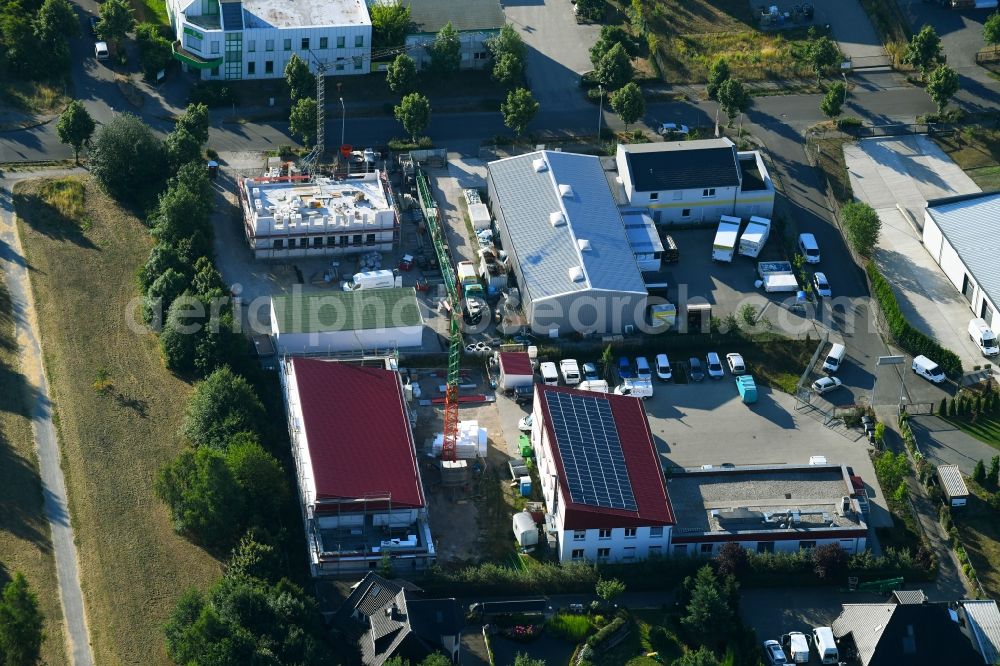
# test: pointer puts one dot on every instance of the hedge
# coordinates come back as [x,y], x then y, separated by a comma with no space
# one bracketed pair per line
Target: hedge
[908,338]
[607,631]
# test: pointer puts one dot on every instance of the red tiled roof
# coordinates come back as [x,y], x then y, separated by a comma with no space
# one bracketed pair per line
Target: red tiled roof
[358,431]
[641,461]
[516,363]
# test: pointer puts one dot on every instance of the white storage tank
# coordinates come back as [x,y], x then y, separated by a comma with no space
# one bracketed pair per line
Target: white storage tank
[525,530]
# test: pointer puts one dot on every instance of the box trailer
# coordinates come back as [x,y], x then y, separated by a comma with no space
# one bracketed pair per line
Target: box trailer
[755,236]
[725,238]
[515,370]
[777,276]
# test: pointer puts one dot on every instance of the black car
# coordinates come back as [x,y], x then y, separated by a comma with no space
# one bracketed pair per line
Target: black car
[92,22]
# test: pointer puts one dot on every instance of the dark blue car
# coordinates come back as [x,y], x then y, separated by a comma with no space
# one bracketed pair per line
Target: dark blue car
[625,368]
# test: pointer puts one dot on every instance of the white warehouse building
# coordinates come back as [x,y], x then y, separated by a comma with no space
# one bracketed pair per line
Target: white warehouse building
[254,39]
[961,235]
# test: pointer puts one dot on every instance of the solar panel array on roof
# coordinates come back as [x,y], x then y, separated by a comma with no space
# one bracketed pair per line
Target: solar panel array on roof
[591,452]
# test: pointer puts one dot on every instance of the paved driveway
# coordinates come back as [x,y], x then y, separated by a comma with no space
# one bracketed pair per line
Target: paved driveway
[900,174]
[558,50]
[944,444]
[853,31]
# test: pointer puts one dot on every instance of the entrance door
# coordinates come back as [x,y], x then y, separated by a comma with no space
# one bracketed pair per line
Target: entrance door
[968,288]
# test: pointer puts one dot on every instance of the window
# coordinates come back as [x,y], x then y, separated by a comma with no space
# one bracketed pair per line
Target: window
[370,239]
[579,535]
[305,43]
[359,41]
[192,40]
[251,45]
[680,549]
[603,553]
[269,67]
[340,68]
[341,42]
[807,545]
[214,71]
[251,68]
[630,532]
[356,239]
[317,241]
[653,196]
[288,45]
[324,42]
[629,553]
[765,547]
[706,549]
[481,55]
[342,241]
[291,243]
[215,47]
[686,212]
[279,243]
[655,532]
[577,554]
[269,45]
[678,195]
[708,192]
[357,63]
[330,240]
[604,534]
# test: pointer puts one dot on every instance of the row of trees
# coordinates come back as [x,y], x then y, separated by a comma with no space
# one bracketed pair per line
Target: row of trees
[924,52]
[34,38]
[729,92]
[970,405]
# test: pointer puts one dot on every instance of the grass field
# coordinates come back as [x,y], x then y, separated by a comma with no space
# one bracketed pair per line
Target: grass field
[25,541]
[151,11]
[979,532]
[31,96]
[977,151]
[133,566]
[830,159]
[985,429]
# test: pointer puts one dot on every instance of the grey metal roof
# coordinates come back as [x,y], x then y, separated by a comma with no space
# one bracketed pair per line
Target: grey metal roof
[951,479]
[546,253]
[682,165]
[970,223]
[909,596]
[984,618]
[432,15]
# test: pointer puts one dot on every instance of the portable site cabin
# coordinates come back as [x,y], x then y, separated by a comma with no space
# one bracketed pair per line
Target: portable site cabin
[515,370]
[525,530]
[953,485]
[480,217]
[725,238]
[755,236]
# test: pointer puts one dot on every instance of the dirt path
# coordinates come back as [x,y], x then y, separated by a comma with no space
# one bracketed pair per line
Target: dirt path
[56,506]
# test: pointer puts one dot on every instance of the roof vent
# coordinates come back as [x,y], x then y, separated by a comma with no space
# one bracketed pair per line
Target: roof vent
[539,165]
[565,191]
[583,244]
[576,274]
[557,219]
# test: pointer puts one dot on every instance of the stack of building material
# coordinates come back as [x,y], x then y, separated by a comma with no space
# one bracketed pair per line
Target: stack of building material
[454,472]
[471,442]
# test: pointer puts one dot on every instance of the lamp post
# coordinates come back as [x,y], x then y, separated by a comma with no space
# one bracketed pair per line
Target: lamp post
[343,120]
[600,111]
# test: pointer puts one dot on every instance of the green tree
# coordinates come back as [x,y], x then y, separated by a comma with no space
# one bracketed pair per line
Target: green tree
[924,51]
[628,103]
[181,329]
[117,20]
[611,35]
[222,405]
[891,469]
[615,68]
[205,501]
[707,609]
[590,10]
[253,558]
[522,659]
[260,477]
[717,75]
[390,23]
[991,30]
[608,364]
[436,659]
[182,147]
[154,50]
[732,559]
[942,86]
[21,45]
[732,97]
[21,624]
[207,279]
[862,226]
[128,162]
[508,69]
[609,589]
[700,657]
[834,99]
[161,257]
[519,110]
[302,120]
[446,51]
[414,112]
[75,127]
[993,476]
[822,54]
[56,22]
[829,560]
[161,295]
[195,120]
[401,75]
[509,52]
[979,473]
[301,82]
[943,407]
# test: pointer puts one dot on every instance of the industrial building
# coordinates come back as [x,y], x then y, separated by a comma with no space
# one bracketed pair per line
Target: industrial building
[643,238]
[292,217]
[254,39]
[342,321]
[568,247]
[600,476]
[690,182]
[476,23]
[356,469]
[961,235]
[781,508]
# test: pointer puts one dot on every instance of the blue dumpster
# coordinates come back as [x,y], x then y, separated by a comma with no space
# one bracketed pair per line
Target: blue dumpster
[747,389]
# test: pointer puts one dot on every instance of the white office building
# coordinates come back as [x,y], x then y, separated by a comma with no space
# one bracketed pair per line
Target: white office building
[254,39]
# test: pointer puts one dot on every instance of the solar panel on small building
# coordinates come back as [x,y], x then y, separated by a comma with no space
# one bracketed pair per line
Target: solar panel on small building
[591,451]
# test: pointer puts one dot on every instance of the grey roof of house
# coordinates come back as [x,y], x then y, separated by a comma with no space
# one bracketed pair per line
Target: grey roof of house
[358,310]
[984,618]
[682,165]
[971,224]
[909,596]
[951,479]
[546,253]
[432,15]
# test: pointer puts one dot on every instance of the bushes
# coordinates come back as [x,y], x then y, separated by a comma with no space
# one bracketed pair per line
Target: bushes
[212,94]
[608,630]
[848,123]
[570,627]
[910,339]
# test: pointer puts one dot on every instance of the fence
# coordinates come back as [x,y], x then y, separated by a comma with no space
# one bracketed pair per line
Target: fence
[988,56]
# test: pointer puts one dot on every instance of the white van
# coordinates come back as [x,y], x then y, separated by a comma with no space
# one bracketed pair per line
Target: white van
[984,338]
[809,248]
[642,370]
[928,369]
[101,50]
[594,385]
[834,358]
[826,647]
[373,280]
[550,377]
[637,388]
[570,370]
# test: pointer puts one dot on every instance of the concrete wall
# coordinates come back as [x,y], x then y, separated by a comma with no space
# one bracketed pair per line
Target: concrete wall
[340,341]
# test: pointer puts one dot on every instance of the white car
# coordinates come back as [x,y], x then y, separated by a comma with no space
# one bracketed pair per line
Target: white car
[524,425]
[672,128]
[821,285]
[715,370]
[663,371]
[826,384]
[736,364]
[809,248]
[101,50]
[773,653]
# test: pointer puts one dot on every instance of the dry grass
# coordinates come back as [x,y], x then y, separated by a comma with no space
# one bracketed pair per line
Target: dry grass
[977,151]
[25,541]
[979,533]
[829,155]
[133,566]
[32,96]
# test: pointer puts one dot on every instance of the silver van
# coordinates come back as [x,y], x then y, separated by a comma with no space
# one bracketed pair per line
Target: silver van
[834,358]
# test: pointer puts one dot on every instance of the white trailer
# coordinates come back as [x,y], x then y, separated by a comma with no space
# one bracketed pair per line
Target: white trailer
[777,276]
[754,236]
[725,238]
